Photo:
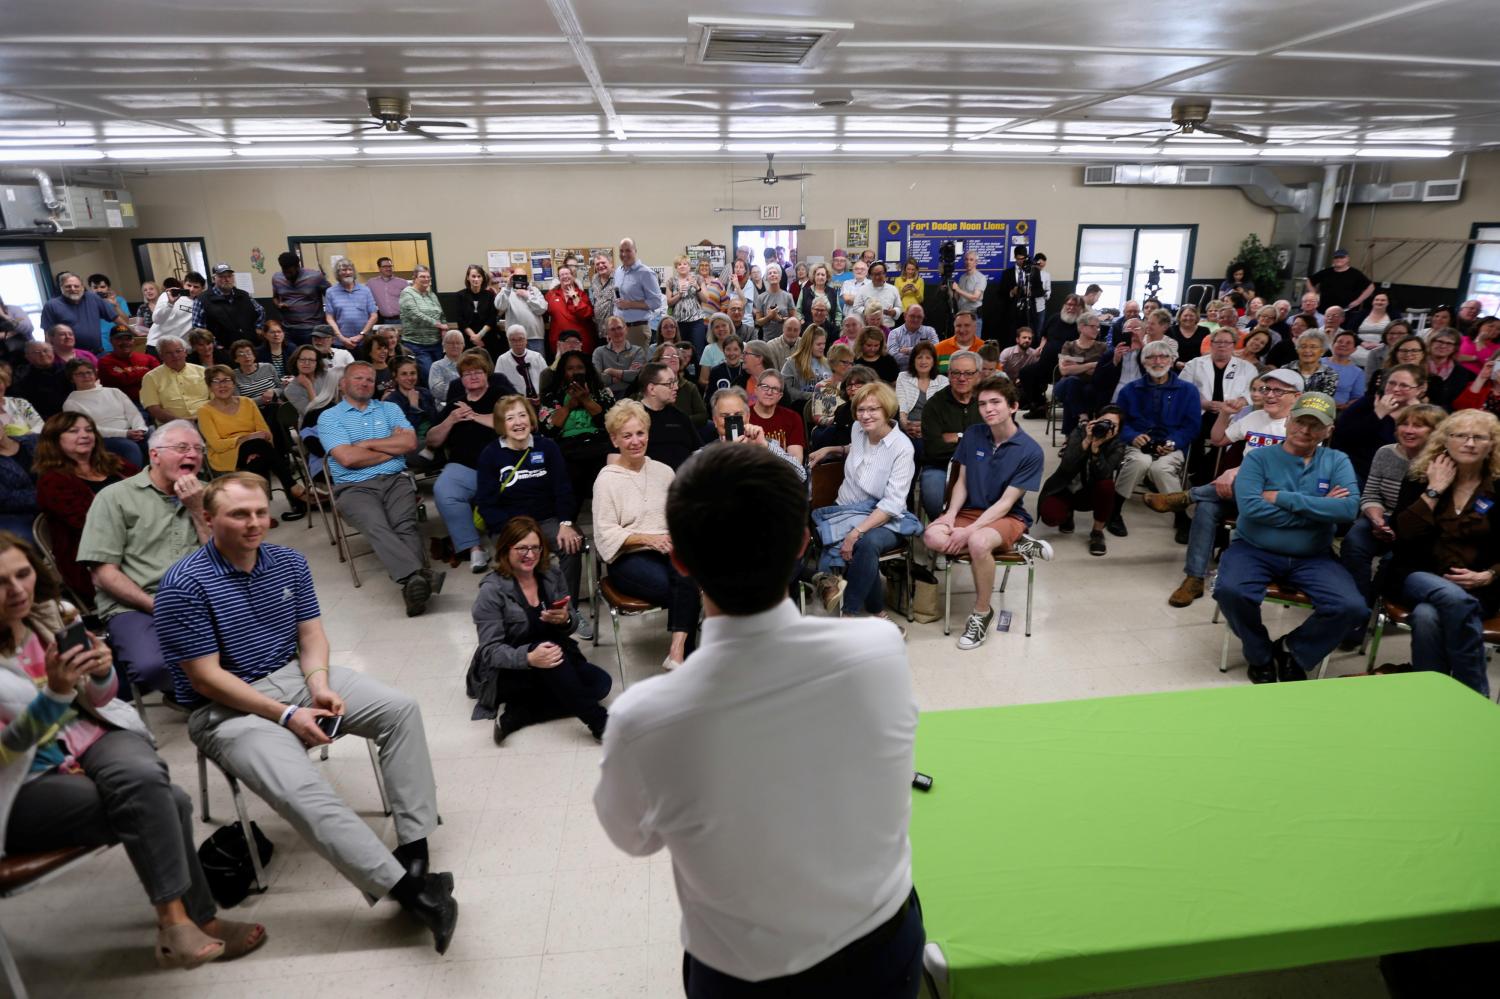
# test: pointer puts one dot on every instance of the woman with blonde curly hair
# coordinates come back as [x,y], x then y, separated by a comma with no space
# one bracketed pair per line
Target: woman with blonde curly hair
[1446,559]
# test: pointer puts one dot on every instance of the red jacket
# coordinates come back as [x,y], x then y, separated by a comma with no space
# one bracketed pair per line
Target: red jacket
[65,499]
[564,318]
[125,375]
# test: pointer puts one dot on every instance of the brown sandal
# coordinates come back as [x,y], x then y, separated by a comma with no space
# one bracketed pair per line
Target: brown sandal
[239,938]
[181,945]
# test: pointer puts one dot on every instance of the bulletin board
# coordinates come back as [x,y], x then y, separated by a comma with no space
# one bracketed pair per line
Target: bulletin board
[717,254]
[920,239]
[541,263]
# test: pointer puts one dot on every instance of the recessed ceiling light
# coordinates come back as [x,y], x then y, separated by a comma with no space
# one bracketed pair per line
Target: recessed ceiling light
[1404,153]
[48,155]
[296,152]
[665,147]
[782,147]
[543,147]
[170,153]
[894,147]
[425,149]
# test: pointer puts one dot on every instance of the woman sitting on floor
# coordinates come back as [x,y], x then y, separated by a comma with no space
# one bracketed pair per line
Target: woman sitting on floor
[526,659]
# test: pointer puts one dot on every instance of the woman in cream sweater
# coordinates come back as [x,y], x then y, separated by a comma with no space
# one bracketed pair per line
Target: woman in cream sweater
[630,528]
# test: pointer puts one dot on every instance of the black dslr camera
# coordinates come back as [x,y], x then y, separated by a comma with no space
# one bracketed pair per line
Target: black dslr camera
[947,257]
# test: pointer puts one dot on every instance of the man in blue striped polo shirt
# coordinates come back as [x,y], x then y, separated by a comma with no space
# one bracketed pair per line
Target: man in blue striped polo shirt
[239,621]
[366,441]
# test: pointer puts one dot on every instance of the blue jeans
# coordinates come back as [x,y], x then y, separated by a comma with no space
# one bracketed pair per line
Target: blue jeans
[649,575]
[454,492]
[1447,629]
[934,484]
[127,449]
[1244,573]
[865,593]
[1359,549]
[1206,516]
[426,354]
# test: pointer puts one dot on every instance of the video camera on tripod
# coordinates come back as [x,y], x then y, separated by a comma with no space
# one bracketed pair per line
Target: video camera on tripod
[1153,278]
[947,257]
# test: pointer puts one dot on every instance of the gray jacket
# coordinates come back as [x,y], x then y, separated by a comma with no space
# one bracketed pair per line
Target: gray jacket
[500,618]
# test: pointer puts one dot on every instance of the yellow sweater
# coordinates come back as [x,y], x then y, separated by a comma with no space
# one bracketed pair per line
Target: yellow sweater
[222,433]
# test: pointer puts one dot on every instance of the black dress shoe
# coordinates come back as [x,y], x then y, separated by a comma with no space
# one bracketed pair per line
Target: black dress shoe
[1068,525]
[1287,670]
[1116,526]
[507,723]
[1261,674]
[418,867]
[436,908]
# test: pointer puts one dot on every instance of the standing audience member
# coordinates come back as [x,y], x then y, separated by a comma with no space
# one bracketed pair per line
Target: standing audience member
[387,287]
[683,291]
[527,659]
[517,303]
[366,443]
[135,530]
[630,528]
[569,310]
[818,904]
[1291,498]
[298,292]
[81,310]
[258,695]
[997,465]
[422,320]
[637,295]
[478,322]
[80,771]
[173,315]
[348,306]
[228,312]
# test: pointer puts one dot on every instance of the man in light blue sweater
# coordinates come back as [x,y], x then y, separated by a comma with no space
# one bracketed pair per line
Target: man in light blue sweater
[1291,498]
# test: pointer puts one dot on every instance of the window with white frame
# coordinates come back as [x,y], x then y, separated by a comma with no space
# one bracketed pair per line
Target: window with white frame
[1135,261]
[23,281]
[1484,271]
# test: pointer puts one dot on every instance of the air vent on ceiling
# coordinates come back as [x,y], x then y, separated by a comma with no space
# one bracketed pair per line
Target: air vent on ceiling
[1197,174]
[1407,190]
[753,42]
[1443,190]
[1099,175]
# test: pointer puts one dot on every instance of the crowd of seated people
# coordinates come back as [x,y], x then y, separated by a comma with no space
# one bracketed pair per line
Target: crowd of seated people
[1329,449]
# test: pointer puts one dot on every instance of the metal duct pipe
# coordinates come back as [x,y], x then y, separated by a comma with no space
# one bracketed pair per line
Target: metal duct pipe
[1344,215]
[44,186]
[1325,215]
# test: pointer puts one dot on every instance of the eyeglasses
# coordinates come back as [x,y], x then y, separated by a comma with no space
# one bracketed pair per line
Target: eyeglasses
[671,384]
[1277,391]
[768,388]
[1470,438]
[952,373]
[181,448]
[527,549]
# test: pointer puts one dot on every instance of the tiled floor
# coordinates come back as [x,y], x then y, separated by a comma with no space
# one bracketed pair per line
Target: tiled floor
[550,908]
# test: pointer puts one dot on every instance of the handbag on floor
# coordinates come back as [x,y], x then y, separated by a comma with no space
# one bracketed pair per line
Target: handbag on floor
[226,862]
[925,604]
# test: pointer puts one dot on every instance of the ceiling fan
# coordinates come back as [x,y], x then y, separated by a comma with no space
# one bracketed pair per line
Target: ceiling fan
[772,177]
[392,114]
[1191,115]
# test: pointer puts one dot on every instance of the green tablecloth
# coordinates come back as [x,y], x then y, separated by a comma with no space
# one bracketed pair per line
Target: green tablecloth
[1103,844]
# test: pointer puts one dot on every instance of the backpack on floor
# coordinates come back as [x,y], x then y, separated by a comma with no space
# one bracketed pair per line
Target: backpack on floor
[226,863]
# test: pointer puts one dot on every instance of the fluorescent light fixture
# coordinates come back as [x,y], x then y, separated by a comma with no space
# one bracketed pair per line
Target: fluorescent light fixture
[170,153]
[782,147]
[523,148]
[665,147]
[48,155]
[1311,152]
[425,149]
[1085,149]
[295,152]
[894,147]
[1227,151]
[1404,153]
[1003,147]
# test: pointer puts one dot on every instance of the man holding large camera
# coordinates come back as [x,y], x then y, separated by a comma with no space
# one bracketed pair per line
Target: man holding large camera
[1161,417]
[819,902]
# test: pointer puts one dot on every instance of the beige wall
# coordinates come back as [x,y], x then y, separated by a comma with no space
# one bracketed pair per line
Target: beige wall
[472,209]
[96,256]
[1399,263]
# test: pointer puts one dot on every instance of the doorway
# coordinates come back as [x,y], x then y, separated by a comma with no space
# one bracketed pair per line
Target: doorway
[781,238]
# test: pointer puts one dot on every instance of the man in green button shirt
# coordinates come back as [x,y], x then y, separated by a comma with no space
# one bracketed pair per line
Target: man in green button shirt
[135,531]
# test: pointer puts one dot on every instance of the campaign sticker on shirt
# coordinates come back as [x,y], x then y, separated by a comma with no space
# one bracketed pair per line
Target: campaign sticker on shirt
[1483,505]
[1323,486]
[538,458]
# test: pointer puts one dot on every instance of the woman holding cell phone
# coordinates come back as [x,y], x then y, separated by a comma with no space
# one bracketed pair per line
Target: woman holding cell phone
[527,659]
[77,769]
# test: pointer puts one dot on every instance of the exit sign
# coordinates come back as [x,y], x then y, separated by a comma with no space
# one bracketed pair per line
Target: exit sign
[770,213]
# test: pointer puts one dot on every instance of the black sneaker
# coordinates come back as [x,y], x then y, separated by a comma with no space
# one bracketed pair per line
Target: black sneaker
[1261,674]
[1096,543]
[415,592]
[1067,526]
[1116,526]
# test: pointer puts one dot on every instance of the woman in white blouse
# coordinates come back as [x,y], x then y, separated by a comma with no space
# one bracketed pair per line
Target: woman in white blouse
[916,385]
[630,528]
[870,515]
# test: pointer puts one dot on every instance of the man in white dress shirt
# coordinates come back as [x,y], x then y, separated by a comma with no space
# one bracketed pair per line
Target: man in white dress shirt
[775,765]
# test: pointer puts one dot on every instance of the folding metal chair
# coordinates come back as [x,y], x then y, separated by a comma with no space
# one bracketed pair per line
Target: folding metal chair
[243,811]
[1006,560]
[1284,596]
[825,478]
[21,872]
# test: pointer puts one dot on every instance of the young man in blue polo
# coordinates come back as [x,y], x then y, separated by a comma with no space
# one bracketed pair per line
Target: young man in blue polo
[998,464]
[1291,498]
